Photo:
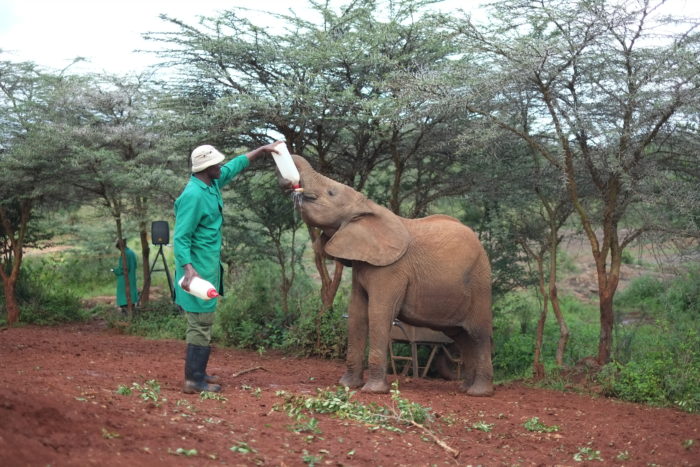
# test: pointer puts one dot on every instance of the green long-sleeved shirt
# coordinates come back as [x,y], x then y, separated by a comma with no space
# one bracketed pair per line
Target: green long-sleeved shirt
[121,283]
[197,237]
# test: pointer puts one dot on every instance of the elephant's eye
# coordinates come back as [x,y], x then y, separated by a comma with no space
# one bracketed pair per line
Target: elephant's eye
[331,192]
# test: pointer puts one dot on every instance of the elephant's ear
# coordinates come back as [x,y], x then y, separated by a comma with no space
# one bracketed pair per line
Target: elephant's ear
[377,237]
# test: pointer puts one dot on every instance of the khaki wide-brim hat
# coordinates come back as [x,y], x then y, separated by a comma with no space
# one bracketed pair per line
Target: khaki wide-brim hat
[205,156]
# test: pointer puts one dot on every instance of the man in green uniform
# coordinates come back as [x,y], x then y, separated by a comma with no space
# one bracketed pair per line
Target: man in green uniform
[197,242]
[130,273]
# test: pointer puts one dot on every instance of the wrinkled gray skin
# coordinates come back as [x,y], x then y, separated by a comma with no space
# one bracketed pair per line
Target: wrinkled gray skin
[431,272]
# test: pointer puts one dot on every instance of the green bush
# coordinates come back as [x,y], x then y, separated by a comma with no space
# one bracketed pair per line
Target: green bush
[83,273]
[583,322]
[513,335]
[515,327]
[683,296]
[657,356]
[643,292]
[44,299]
[330,341]
[666,377]
[160,319]
[627,257]
[251,315]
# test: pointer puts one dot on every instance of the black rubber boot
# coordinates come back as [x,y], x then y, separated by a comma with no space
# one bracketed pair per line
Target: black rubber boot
[207,377]
[212,379]
[196,361]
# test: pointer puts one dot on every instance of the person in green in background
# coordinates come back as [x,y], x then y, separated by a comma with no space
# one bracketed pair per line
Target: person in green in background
[197,248]
[131,274]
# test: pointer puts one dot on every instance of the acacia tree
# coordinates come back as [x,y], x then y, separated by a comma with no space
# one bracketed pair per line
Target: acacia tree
[34,148]
[604,90]
[331,89]
[540,237]
[536,209]
[116,157]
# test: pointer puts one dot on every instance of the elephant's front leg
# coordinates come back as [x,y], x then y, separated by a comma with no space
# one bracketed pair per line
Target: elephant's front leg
[357,337]
[382,311]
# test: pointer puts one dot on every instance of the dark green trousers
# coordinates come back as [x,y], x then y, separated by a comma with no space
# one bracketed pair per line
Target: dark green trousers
[199,328]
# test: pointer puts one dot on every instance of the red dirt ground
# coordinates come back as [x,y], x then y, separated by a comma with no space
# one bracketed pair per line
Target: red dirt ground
[59,406]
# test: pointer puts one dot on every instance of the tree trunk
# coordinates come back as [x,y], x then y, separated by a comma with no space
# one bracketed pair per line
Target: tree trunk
[11,300]
[606,326]
[554,296]
[563,328]
[15,235]
[399,168]
[329,286]
[537,366]
[145,258]
[9,282]
[607,286]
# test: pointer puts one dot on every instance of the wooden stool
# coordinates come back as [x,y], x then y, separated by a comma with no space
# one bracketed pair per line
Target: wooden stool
[415,336]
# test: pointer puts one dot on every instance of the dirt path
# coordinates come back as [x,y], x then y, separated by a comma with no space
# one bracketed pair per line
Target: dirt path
[59,406]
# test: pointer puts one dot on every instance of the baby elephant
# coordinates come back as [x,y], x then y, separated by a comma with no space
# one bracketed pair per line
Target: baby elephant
[431,272]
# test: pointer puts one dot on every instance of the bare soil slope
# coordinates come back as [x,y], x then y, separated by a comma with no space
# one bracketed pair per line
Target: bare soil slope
[59,406]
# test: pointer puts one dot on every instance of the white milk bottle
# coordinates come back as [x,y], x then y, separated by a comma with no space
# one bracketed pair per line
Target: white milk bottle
[201,288]
[286,166]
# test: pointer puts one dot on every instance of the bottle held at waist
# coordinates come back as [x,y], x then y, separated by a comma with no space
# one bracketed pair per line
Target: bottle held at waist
[201,288]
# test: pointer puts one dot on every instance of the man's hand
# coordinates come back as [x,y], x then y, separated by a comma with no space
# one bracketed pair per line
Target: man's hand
[268,148]
[190,273]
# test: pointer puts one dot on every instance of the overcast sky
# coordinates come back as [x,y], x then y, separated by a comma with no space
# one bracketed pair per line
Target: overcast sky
[51,33]
[105,32]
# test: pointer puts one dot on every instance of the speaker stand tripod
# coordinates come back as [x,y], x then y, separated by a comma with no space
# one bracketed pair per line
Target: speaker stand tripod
[165,268]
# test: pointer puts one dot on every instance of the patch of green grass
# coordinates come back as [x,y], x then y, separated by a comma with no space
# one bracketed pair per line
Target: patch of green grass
[242,448]
[534,424]
[208,395]
[483,426]
[587,454]
[148,392]
[184,452]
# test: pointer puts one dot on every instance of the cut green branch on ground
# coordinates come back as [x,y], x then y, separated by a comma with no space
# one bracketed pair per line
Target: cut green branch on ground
[339,403]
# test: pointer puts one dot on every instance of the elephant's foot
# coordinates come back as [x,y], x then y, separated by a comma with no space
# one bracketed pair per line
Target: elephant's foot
[478,389]
[350,380]
[376,387]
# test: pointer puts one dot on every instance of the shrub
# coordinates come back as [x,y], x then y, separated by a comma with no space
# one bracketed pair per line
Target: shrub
[160,319]
[627,257]
[657,360]
[515,321]
[43,297]
[583,322]
[683,296]
[321,336]
[513,335]
[642,293]
[251,315]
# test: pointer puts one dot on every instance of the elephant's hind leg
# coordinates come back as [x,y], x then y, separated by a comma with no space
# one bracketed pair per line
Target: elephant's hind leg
[478,370]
